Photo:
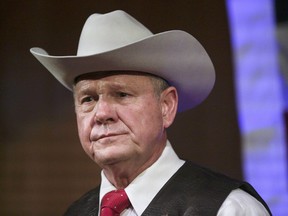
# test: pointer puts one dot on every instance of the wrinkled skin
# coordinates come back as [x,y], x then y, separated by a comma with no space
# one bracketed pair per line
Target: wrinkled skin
[122,123]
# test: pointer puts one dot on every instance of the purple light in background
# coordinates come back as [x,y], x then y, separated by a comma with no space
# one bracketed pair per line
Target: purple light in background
[259,99]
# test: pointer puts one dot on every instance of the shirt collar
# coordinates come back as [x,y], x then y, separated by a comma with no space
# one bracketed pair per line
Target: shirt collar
[145,186]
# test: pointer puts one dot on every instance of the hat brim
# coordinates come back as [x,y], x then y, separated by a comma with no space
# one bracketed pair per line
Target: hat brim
[174,55]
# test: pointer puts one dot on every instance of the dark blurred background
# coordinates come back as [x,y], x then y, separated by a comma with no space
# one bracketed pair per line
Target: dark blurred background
[43,167]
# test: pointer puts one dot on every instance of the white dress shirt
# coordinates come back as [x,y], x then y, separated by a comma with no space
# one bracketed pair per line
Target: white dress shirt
[145,186]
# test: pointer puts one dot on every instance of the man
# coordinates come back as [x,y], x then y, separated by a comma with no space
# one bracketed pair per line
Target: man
[128,84]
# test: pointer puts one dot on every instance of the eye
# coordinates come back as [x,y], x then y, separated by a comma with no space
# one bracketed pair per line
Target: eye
[122,94]
[86,99]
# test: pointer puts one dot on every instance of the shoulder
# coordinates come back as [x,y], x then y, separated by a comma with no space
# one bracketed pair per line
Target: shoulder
[205,176]
[217,185]
[240,203]
[85,205]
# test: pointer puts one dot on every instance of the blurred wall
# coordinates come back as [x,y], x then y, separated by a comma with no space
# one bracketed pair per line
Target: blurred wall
[43,168]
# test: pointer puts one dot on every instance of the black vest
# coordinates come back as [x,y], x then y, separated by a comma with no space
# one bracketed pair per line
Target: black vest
[192,190]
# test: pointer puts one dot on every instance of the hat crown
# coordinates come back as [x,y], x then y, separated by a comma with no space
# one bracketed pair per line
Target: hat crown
[106,32]
[117,42]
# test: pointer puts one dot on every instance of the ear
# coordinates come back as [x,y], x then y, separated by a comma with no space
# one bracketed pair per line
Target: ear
[169,103]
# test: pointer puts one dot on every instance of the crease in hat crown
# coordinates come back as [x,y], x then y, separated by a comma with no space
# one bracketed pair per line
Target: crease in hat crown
[105,32]
[118,42]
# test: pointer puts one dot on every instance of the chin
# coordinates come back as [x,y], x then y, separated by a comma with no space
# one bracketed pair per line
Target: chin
[110,157]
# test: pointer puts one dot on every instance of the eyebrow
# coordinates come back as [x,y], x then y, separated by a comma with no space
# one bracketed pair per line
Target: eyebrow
[86,87]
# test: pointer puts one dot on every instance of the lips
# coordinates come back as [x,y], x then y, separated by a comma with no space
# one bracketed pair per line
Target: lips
[98,137]
[106,136]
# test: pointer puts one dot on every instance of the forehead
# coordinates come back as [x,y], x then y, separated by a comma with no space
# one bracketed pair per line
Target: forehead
[112,79]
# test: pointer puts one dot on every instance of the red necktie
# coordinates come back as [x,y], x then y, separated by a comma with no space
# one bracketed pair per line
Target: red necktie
[114,202]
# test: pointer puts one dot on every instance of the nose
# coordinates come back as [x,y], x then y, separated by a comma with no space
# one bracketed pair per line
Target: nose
[104,112]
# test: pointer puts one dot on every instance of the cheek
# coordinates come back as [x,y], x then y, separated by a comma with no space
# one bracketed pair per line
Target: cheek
[145,123]
[84,130]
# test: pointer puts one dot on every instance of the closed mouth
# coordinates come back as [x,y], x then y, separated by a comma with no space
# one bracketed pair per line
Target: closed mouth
[104,136]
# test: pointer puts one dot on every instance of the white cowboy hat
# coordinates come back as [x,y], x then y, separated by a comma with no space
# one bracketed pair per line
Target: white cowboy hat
[117,42]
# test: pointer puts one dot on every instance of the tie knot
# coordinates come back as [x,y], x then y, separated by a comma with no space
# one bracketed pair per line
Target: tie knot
[114,202]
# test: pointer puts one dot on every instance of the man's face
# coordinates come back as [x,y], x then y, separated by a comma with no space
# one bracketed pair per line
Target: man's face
[120,119]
